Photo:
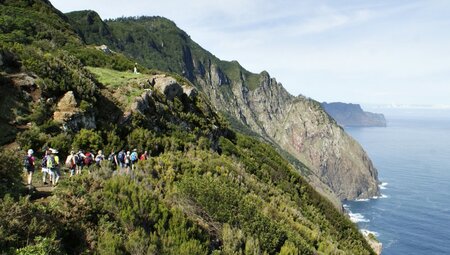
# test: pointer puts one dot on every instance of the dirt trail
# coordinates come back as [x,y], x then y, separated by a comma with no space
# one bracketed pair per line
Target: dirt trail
[40,190]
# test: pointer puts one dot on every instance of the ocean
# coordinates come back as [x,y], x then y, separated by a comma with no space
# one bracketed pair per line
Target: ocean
[412,155]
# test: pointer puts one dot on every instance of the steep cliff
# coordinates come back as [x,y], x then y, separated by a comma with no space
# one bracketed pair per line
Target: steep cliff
[300,126]
[206,189]
[258,102]
[352,115]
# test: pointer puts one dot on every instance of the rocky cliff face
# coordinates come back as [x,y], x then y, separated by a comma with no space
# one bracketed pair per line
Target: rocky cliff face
[301,127]
[352,115]
[256,102]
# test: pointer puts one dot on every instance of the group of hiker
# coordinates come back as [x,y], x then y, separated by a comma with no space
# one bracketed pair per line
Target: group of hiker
[124,161]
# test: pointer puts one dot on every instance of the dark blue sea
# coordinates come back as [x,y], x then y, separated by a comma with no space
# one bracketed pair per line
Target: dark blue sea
[412,156]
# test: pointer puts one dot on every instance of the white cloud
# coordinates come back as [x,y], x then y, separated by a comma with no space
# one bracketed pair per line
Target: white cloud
[360,51]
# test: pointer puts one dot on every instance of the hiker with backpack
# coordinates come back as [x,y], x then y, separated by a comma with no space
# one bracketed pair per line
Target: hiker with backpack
[79,161]
[127,162]
[49,166]
[121,159]
[53,166]
[99,158]
[144,156]
[134,158]
[28,164]
[113,159]
[70,163]
[44,169]
[88,159]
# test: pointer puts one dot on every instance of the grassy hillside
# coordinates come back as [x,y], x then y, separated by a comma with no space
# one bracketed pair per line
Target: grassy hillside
[157,43]
[205,190]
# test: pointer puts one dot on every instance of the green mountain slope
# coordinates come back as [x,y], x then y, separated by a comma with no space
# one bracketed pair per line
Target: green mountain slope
[253,102]
[206,189]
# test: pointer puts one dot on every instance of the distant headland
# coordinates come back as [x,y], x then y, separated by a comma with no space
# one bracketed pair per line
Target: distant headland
[352,115]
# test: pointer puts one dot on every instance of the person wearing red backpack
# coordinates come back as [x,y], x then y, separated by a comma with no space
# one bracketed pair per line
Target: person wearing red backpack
[144,156]
[89,158]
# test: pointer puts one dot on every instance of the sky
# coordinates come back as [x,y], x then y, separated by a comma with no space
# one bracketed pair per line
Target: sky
[372,52]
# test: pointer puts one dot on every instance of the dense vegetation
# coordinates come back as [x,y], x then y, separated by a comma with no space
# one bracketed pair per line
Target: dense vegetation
[205,190]
[157,43]
[187,201]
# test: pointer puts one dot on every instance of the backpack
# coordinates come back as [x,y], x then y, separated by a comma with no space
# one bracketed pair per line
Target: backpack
[51,162]
[133,157]
[98,159]
[44,162]
[88,159]
[78,160]
[56,158]
[121,157]
[26,162]
[111,159]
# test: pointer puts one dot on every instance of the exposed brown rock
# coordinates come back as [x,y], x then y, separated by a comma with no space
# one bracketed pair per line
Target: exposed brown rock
[71,117]
[24,80]
[168,86]
[300,126]
[190,91]
[143,103]
[66,108]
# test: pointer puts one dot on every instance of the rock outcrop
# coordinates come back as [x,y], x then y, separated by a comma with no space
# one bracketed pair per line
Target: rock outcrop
[66,108]
[71,117]
[168,86]
[190,91]
[352,115]
[143,103]
[300,126]
[104,48]
[376,246]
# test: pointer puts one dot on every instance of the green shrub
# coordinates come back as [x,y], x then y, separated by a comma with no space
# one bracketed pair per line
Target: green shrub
[41,246]
[88,140]
[110,243]
[141,139]
[63,143]
[289,249]
[32,138]
[112,142]
[40,113]
[21,222]
[10,173]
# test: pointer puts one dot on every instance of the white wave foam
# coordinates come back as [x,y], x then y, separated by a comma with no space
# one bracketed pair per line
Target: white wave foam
[345,206]
[380,196]
[383,185]
[362,200]
[357,217]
